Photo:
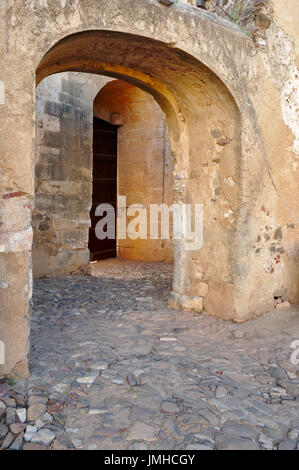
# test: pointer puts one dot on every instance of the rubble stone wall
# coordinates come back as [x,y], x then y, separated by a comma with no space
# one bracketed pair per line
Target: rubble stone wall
[63,172]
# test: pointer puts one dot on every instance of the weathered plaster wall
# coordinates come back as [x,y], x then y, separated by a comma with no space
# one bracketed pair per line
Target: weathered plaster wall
[63,172]
[145,164]
[273,26]
[189,60]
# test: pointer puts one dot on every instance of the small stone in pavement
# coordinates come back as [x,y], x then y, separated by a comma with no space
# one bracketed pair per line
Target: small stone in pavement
[141,431]
[21,414]
[43,436]
[35,411]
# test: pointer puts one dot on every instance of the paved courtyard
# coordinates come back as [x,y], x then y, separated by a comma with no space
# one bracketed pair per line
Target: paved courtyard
[112,367]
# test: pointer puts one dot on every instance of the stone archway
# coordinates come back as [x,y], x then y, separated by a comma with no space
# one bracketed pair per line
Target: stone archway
[196,67]
[204,146]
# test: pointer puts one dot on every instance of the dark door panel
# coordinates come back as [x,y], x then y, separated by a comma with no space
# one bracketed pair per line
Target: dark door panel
[104,184]
[103,191]
[104,170]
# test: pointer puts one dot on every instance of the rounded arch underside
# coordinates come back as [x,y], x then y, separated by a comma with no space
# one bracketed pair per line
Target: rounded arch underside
[177,80]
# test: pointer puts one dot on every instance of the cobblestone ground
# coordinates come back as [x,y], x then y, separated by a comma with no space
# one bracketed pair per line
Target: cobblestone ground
[113,368]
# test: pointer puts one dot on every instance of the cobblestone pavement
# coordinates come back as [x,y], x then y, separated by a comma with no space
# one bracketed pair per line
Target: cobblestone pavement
[113,368]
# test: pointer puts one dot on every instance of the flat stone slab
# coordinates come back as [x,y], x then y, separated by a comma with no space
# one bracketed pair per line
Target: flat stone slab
[142,431]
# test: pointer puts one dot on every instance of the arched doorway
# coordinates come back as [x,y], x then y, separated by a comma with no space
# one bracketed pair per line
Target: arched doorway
[104,187]
[204,130]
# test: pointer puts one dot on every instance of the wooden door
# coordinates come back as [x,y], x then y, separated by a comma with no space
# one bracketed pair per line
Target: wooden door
[104,184]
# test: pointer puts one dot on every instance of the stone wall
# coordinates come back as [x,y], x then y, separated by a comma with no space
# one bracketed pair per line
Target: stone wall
[145,164]
[273,27]
[63,172]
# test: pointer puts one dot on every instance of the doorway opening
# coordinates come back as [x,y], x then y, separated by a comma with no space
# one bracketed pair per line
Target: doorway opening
[104,185]
[98,139]
[144,169]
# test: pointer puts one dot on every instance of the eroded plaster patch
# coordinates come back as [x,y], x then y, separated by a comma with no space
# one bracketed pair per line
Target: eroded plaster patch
[12,242]
[281,61]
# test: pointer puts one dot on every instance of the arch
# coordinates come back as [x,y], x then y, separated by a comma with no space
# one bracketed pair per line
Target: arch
[140,61]
[204,128]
